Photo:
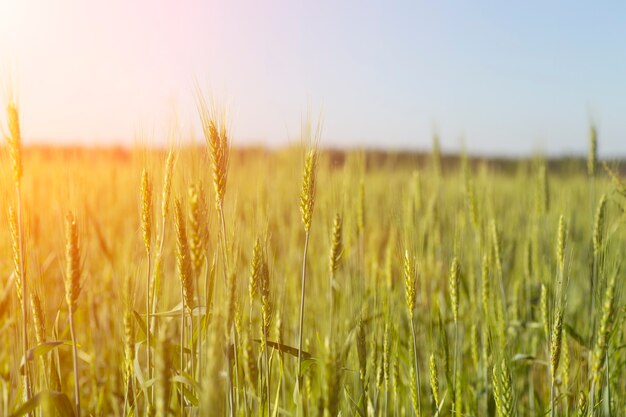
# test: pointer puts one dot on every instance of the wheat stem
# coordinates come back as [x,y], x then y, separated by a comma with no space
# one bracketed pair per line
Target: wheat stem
[72,290]
[301,320]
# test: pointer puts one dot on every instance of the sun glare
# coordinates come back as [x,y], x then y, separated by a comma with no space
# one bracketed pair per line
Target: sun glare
[10,12]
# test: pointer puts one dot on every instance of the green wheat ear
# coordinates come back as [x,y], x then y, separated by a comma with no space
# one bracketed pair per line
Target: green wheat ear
[336,247]
[409,283]
[582,409]
[255,270]
[72,256]
[598,228]
[604,331]
[556,342]
[434,379]
[503,390]
[183,257]
[454,283]
[146,209]
[560,247]
[309,182]
[592,159]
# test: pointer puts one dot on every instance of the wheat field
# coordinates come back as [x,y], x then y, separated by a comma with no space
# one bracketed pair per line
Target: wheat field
[210,280]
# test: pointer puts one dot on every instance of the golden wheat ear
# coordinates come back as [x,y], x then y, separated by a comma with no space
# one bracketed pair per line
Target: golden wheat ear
[146,210]
[309,183]
[72,291]
[72,257]
[336,247]
[183,258]
[14,140]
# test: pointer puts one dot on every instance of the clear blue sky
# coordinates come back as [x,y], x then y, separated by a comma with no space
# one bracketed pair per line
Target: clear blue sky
[503,77]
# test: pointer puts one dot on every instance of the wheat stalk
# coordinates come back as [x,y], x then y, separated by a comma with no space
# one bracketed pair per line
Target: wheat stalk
[14,139]
[557,325]
[39,322]
[410,297]
[602,339]
[545,312]
[387,361]
[218,145]
[146,228]
[129,343]
[184,268]
[198,236]
[162,374]
[72,290]
[454,303]
[266,319]
[165,206]
[361,349]
[336,251]
[307,202]
[597,243]
[332,381]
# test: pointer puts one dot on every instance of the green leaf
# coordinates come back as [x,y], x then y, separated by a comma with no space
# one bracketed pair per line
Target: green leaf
[177,311]
[148,383]
[277,398]
[576,336]
[58,400]
[355,406]
[287,349]
[441,403]
[139,375]
[142,324]
[306,365]
[523,357]
[186,379]
[41,350]
[189,396]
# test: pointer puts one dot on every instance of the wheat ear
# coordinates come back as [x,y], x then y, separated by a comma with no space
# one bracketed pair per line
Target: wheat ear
[72,290]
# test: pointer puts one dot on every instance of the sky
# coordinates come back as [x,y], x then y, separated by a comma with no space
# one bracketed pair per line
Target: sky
[505,78]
